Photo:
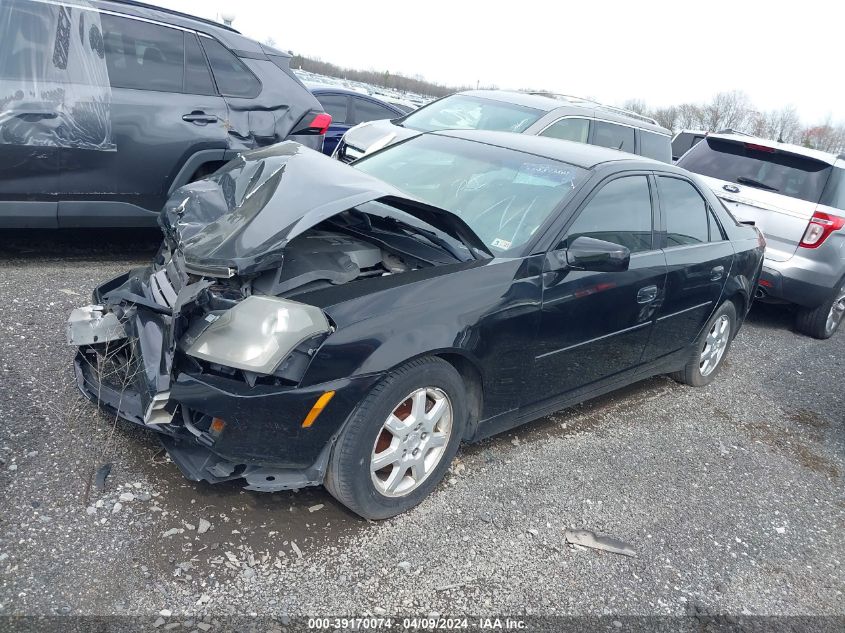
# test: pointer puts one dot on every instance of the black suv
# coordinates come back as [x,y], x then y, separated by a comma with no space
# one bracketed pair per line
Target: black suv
[109,106]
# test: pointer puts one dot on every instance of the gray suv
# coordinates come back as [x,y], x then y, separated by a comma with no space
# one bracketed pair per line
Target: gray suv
[106,107]
[541,114]
[796,196]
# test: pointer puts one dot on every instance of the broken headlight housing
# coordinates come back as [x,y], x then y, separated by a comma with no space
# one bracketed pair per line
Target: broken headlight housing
[258,333]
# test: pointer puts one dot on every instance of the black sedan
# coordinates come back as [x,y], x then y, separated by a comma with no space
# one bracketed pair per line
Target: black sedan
[308,322]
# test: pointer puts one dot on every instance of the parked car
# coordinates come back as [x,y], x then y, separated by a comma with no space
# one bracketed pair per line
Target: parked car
[797,197]
[110,107]
[348,108]
[540,114]
[352,325]
[684,140]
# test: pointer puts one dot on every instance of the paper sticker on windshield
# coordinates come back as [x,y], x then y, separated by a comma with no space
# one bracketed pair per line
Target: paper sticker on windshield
[499,243]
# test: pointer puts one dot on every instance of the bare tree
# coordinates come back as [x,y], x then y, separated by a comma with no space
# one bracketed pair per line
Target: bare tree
[727,110]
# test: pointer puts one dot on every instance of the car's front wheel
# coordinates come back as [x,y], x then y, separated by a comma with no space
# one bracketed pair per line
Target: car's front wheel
[821,322]
[400,440]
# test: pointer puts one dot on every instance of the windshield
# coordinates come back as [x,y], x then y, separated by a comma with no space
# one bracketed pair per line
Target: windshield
[758,167]
[462,112]
[502,194]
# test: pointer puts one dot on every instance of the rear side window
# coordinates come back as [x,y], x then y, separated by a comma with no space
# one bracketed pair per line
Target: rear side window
[751,165]
[656,146]
[197,76]
[233,78]
[570,129]
[685,212]
[143,56]
[834,192]
[620,213]
[366,110]
[615,136]
[335,105]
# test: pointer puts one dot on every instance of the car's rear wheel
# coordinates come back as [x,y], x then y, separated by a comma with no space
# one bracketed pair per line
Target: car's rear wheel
[710,348]
[400,440]
[823,321]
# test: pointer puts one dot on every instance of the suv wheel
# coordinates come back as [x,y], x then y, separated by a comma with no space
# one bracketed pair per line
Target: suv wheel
[710,349]
[400,440]
[821,322]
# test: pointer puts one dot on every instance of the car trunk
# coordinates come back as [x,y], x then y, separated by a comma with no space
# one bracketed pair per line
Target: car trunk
[776,189]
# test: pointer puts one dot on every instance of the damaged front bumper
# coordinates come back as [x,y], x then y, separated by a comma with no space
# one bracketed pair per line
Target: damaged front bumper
[258,435]
[214,427]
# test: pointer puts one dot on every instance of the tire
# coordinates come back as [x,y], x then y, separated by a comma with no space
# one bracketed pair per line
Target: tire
[696,373]
[407,477]
[823,321]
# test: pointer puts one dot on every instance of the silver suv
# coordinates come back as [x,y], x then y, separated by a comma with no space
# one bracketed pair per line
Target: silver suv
[796,196]
[541,114]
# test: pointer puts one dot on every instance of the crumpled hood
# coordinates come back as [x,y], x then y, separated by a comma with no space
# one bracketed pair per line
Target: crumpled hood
[239,220]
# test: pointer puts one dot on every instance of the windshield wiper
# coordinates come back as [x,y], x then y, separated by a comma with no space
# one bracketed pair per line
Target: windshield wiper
[755,183]
[432,237]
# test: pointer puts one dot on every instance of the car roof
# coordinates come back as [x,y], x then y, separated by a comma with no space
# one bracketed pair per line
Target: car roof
[562,105]
[226,34]
[574,153]
[526,99]
[819,155]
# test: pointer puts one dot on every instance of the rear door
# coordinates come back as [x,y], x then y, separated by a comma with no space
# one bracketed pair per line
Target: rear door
[775,189]
[164,109]
[613,135]
[698,260]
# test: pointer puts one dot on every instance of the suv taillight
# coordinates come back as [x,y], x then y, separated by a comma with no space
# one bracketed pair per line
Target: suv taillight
[821,225]
[319,124]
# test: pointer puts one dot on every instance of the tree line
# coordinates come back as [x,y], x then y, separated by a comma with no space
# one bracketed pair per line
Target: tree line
[735,111]
[383,79]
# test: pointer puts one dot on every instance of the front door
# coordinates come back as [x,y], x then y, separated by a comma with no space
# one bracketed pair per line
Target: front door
[698,259]
[596,324]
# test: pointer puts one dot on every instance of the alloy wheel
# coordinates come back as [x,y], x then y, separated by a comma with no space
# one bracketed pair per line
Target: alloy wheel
[837,310]
[411,442]
[715,345]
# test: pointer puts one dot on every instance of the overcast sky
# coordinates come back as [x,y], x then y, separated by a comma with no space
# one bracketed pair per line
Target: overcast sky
[779,53]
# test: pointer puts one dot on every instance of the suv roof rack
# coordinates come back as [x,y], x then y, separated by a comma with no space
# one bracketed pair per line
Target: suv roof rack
[144,5]
[596,104]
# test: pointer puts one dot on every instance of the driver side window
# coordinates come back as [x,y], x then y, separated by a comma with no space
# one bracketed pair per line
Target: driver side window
[620,213]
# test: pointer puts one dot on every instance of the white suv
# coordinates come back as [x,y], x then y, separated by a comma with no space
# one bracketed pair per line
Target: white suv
[796,196]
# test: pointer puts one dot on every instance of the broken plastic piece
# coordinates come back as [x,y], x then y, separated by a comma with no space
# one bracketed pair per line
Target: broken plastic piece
[586,538]
[90,325]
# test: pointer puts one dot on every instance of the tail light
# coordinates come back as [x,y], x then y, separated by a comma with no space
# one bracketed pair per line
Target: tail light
[317,124]
[821,225]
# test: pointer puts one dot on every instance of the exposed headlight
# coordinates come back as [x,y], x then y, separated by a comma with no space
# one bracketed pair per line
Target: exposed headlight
[258,333]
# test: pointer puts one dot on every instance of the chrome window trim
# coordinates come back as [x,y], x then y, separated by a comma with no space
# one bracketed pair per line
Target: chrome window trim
[594,118]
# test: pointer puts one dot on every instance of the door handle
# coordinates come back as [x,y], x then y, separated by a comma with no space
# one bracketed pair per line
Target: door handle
[647,294]
[716,273]
[199,117]
[31,117]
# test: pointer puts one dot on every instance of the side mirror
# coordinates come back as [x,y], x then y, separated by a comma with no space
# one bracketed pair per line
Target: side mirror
[587,253]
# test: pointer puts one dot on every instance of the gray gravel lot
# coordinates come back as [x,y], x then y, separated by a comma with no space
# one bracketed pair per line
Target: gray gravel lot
[732,495]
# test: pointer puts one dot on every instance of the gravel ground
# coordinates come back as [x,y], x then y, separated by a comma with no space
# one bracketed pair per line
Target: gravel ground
[731,495]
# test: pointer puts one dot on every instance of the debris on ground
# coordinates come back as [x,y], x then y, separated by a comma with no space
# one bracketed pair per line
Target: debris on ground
[100,477]
[585,538]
